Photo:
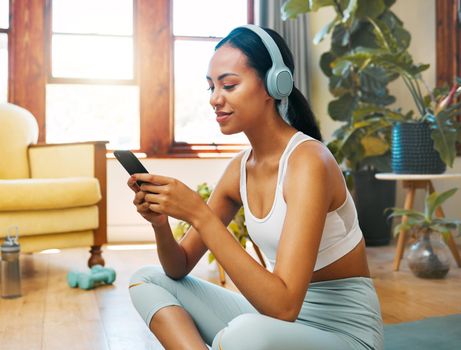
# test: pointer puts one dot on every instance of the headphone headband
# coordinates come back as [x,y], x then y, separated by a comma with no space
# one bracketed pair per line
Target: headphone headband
[279,80]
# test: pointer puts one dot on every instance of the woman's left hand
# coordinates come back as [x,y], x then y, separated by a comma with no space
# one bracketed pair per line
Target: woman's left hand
[171,197]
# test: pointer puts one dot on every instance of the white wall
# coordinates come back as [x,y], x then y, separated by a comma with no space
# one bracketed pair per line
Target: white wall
[125,224]
[419,19]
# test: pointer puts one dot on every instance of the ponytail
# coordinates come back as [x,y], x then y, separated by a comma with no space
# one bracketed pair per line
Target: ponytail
[300,115]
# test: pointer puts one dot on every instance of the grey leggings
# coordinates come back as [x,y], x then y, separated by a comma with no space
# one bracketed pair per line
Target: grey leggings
[227,321]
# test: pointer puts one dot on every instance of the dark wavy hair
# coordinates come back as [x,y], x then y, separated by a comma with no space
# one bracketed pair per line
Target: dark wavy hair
[300,114]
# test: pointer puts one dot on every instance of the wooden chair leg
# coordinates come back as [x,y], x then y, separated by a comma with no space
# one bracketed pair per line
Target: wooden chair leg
[454,250]
[409,199]
[96,256]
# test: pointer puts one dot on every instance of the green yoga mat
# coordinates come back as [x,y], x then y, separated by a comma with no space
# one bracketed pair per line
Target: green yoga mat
[440,333]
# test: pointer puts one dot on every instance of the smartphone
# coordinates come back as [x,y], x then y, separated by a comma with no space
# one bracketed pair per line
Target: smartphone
[131,163]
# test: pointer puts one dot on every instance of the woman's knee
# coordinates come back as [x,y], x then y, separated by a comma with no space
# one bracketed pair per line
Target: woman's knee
[150,290]
[243,332]
[147,274]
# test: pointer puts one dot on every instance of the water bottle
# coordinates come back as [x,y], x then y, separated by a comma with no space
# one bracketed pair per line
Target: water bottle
[10,270]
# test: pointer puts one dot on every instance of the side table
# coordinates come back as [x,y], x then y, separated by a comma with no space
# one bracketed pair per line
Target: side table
[411,182]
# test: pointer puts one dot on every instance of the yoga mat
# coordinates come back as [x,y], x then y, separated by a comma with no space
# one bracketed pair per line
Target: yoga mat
[434,333]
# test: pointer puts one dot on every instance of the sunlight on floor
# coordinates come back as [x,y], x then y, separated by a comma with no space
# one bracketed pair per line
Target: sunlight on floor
[50,251]
[132,247]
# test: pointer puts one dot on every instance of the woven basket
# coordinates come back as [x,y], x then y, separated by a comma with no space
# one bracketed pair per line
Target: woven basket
[413,150]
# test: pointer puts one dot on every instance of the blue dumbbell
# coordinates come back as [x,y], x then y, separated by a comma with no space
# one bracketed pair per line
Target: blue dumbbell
[88,280]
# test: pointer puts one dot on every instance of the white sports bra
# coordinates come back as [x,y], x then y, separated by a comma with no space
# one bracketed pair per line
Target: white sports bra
[341,232]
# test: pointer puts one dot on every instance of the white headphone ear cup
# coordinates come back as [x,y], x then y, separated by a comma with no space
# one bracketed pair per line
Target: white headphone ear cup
[279,82]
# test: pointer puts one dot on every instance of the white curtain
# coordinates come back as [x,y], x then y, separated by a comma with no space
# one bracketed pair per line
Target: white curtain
[295,32]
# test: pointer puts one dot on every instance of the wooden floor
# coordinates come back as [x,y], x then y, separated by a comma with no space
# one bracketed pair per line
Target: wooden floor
[52,316]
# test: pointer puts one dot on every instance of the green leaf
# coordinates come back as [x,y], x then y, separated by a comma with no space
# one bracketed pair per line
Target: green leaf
[381,163]
[317,4]
[434,200]
[349,12]
[385,38]
[341,109]
[324,31]
[444,141]
[335,148]
[410,213]
[401,227]
[340,36]
[374,146]
[366,111]
[340,85]
[395,25]
[211,257]
[326,63]
[448,222]
[292,8]
[389,3]
[342,68]
[180,229]
[444,230]
[362,35]
[370,8]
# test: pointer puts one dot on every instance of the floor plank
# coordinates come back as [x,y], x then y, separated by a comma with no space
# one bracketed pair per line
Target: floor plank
[51,316]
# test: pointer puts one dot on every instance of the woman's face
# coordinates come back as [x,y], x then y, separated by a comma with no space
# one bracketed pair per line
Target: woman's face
[237,94]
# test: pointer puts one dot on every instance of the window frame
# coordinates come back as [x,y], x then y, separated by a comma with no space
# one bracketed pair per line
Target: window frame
[448,43]
[167,146]
[153,29]
[60,80]
[7,31]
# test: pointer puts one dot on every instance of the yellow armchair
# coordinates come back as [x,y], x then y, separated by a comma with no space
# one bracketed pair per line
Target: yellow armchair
[54,193]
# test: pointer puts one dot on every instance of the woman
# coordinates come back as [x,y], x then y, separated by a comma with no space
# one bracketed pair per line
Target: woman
[317,294]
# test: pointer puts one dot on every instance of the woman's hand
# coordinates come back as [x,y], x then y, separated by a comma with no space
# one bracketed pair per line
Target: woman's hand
[142,206]
[168,196]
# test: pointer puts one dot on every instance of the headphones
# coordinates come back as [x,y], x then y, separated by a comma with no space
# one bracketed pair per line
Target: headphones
[279,80]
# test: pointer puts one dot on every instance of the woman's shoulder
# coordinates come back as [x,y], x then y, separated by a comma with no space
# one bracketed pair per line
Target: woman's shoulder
[236,162]
[313,162]
[313,152]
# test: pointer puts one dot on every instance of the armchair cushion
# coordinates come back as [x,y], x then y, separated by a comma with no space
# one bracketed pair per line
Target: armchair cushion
[39,222]
[41,194]
[62,160]
[18,129]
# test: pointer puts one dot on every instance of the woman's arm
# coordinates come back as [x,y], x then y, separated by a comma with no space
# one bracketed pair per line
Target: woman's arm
[222,205]
[279,294]
[178,259]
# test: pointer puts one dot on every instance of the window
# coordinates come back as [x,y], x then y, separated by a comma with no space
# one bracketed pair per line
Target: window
[4,28]
[194,42]
[92,93]
[128,71]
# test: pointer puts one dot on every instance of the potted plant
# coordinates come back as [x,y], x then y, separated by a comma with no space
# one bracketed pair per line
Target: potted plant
[357,80]
[369,48]
[360,97]
[425,143]
[429,256]
[237,226]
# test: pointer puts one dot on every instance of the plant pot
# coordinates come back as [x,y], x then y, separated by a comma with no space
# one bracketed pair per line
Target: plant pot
[371,198]
[413,150]
[429,256]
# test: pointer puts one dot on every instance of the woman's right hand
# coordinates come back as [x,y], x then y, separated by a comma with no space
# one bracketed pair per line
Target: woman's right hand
[142,206]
